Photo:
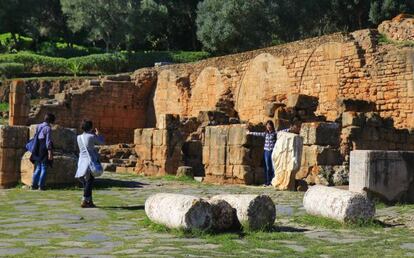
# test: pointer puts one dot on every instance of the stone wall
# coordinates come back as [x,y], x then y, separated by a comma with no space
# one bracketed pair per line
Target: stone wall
[400,28]
[158,151]
[13,140]
[19,104]
[116,107]
[353,66]
[232,156]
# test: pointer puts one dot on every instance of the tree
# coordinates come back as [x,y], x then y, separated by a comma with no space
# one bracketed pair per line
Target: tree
[386,9]
[181,29]
[14,15]
[235,25]
[147,26]
[105,20]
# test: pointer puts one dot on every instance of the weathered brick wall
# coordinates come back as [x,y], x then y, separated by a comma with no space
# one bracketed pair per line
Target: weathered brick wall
[400,28]
[330,67]
[115,107]
[13,140]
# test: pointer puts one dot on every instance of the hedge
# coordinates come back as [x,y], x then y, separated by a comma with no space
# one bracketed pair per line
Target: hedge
[11,69]
[98,63]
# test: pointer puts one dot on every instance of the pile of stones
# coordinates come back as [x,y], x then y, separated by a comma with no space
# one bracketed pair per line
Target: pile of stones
[120,158]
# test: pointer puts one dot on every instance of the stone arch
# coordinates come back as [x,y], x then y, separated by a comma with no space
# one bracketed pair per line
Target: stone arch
[264,78]
[320,77]
[168,97]
[208,89]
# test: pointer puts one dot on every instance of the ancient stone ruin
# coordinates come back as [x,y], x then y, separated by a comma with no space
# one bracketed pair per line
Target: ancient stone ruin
[349,91]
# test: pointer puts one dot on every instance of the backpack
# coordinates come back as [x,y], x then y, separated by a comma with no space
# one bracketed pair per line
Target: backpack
[32,144]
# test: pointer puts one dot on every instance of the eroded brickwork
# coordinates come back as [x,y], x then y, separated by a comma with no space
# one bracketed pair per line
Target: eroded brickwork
[117,108]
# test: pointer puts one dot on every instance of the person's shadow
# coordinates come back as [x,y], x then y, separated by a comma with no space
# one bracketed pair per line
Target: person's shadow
[105,183]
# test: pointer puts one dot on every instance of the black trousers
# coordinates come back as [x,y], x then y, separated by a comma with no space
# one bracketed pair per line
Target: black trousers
[87,187]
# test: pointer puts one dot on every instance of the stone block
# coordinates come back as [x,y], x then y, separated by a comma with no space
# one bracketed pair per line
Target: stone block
[300,101]
[62,172]
[351,118]
[10,166]
[213,118]
[160,137]
[14,137]
[271,108]
[355,105]
[218,155]
[18,86]
[185,171]
[320,133]
[219,135]
[244,173]
[143,152]
[168,121]
[125,170]
[238,155]
[237,135]
[313,156]
[388,175]
[63,138]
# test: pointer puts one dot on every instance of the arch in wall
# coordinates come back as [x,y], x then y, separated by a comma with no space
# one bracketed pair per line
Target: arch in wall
[320,77]
[264,78]
[168,98]
[208,89]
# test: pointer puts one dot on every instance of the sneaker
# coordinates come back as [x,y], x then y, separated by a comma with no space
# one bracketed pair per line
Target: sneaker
[42,189]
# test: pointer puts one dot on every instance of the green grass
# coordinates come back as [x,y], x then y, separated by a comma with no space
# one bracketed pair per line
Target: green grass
[4,107]
[385,40]
[328,223]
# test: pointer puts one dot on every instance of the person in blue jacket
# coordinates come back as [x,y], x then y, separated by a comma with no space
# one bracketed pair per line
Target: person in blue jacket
[42,157]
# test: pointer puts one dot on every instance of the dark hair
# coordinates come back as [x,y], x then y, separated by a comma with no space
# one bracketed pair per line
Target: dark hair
[87,125]
[270,122]
[49,118]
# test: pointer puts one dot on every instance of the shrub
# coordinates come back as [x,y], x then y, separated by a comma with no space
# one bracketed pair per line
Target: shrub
[57,49]
[36,63]
[98,63]
[11,69]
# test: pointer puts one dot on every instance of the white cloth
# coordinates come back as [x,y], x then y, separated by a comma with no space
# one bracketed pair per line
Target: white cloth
[83,163]
[286,158]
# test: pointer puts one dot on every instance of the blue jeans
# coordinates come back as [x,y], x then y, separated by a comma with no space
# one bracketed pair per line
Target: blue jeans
[269,172]
[39,175]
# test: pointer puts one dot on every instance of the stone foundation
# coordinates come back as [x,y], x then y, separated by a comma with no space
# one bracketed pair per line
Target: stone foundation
[13,140]
[388,175]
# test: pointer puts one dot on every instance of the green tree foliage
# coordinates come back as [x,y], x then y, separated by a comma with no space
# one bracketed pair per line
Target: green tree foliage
[147,25]
[14,16]
[235,25]
[181,29]
[105,20]
[386,9]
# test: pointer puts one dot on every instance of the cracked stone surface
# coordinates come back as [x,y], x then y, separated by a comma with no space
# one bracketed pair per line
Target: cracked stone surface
[51,224]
